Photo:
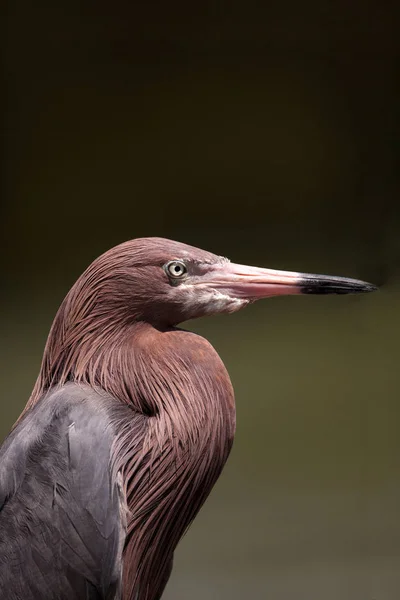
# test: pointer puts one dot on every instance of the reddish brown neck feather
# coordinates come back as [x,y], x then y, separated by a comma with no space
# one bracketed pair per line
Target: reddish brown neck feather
[172,455]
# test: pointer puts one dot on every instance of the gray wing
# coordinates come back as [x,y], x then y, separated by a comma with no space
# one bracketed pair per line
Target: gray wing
[62,524]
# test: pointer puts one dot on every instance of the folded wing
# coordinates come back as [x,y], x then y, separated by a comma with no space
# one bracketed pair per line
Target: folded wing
[62,515]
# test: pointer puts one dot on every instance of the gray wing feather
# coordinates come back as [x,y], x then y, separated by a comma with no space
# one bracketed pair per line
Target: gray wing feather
[61,524]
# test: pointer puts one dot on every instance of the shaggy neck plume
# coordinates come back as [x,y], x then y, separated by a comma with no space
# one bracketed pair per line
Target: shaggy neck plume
[178,386]
[184,388]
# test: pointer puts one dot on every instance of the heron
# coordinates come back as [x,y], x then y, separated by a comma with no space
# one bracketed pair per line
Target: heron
[129,424]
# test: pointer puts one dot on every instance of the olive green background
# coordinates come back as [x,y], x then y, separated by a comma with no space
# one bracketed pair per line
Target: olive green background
[266,132]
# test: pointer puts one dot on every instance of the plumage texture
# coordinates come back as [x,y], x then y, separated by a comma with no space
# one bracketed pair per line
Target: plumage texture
[61,504]
[115,333]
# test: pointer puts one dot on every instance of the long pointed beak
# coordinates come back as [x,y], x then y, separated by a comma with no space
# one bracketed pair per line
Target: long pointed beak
[253,283]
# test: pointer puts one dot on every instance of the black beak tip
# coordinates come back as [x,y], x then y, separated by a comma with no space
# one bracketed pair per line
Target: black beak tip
[363,288]
[335,285]
[370,287]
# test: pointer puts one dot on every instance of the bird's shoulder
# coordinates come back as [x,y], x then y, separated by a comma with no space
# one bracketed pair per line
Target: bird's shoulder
[61,518]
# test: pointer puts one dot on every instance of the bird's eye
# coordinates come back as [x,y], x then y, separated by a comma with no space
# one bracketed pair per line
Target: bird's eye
[176,269]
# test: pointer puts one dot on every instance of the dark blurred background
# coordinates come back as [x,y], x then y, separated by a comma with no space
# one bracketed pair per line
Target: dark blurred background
[266,132]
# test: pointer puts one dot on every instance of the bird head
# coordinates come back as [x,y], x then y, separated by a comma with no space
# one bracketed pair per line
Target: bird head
[162,283]
[165,283]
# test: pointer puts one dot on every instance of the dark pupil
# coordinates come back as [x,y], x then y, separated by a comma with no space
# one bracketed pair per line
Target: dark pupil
[177,269]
